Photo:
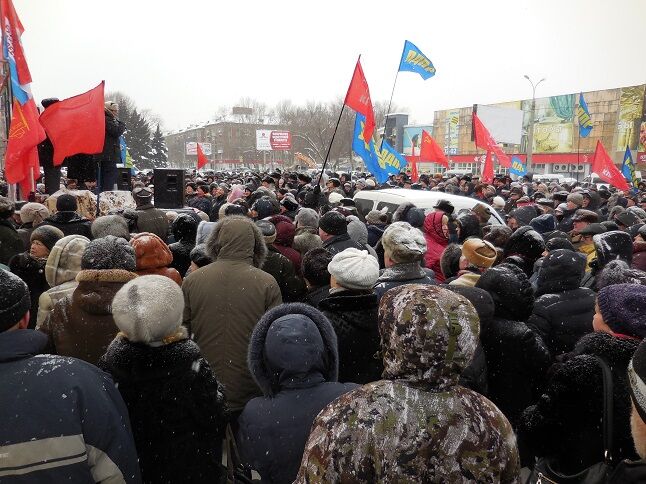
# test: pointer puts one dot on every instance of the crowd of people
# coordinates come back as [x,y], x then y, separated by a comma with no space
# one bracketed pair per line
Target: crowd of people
[274,322]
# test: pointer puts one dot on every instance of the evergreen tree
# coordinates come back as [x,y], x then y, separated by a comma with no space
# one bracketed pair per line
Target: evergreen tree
[158,149]
[137,137]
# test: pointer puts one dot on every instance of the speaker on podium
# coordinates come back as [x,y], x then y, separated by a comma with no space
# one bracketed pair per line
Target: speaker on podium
[169,188]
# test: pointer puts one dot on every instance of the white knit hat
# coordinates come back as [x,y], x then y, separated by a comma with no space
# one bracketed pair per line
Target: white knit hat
[354,269]
[334,197]
[149,308]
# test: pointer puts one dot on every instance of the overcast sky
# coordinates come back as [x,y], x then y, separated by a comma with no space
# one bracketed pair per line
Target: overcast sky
[183,59]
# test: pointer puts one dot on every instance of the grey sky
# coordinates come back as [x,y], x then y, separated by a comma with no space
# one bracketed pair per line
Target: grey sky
[183,59]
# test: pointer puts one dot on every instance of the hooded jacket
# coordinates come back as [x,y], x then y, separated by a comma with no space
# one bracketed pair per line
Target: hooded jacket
[293,358]
[563,310]
[153,256]
[176,408]
[224,301]
[516,357]
[565,422]
[81,325]
[64,420]
[353,315]
[61,269]
[417,424]
[524,248]
[436,242]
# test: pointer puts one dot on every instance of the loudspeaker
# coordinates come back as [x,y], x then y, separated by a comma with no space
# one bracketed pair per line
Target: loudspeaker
[169,188]
[124,179]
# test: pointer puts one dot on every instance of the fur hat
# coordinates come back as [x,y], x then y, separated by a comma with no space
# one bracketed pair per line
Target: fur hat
[48,235]
[445,206]
[334,198]
[149,309]
[14,299]
[511,291]
[576,199]
[314,266]
[264,207]
[109,252]
[479,253]
[6,208]
[268,231]
[184,228]
[543,223]
[66,203]
[199,256]
[376,217]
[498,235]
[333,223]
[583,215]
[307,217]
[354,269]
[33,213]
[623,307]
[111,225]
[403,242]
[450,260]
[525,242]
[498,202]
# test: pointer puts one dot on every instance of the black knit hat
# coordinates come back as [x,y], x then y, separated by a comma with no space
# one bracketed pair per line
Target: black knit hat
[48,235]
[109,252]
[623,307]
[66,203]
[333,223]
[14,299]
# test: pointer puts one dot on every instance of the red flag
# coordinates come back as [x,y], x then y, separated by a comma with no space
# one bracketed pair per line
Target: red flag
[202,160]
[358,98]
[603,166]
[484,140]
[21,157]
[413,171]
[431,151]
[487,169]
[76,125]
[12,30]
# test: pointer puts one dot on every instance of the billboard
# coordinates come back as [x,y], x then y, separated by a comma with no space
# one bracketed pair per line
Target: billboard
[191,148]
[452,133]
[631,107]
[273,140]
[413,139]
[553,126]
[505,124]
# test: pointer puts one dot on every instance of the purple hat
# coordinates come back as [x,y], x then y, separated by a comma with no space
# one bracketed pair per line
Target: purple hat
[623,307]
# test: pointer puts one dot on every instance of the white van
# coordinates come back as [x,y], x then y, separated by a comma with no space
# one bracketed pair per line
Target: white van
[367,200]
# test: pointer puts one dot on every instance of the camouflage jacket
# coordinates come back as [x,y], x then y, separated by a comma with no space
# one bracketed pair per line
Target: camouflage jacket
[418,424]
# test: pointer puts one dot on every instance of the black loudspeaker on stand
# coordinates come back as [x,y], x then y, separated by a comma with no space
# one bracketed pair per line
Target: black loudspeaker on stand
[124,179]
[169,188]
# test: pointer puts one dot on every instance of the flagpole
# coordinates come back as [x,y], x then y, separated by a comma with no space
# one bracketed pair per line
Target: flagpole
[381,146]
[327,155]
[578,155]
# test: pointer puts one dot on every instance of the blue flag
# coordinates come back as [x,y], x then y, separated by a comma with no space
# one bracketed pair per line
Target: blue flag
[414,61]
[387,162]
[585,121]
[517,166]
[365,150]
[628,170]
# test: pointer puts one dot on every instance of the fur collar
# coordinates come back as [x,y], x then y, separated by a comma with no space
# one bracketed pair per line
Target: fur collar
[108,275]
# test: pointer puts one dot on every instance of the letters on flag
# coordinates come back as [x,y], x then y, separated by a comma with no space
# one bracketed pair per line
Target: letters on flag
[431,151]
[603,166]
[484,140]
[202,160]
[13,52]
[76,125]
[517,167]
[413,60]
[358,99]
[583,115]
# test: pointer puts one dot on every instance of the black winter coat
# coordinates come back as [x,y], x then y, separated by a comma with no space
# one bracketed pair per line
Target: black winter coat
[176,407]
[181,256]
[517,360]
[10,242]
[353,315]
[70,223]
[316,295]
[563,311]
[565,423]
[32,271]
[400,274]
[201,203]
[292,287]
[111,148]
[339,243]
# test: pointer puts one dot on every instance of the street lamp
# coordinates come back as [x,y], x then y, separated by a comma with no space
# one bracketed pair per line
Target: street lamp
[530,127]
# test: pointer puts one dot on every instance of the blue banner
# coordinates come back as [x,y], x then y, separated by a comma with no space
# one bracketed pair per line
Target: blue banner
[381,165]
[517,167]
[414,61]
[628,170]
[585,121]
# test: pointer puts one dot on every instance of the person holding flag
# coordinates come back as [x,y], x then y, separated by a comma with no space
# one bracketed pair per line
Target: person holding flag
[108,159]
